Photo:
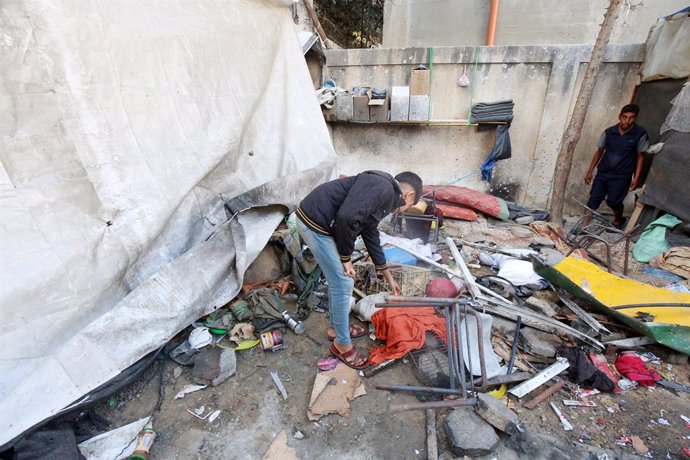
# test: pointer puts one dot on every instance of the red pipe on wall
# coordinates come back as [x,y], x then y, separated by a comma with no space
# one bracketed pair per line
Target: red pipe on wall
[493,15]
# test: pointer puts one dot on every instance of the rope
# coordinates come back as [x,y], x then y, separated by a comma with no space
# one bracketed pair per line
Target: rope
[460,179]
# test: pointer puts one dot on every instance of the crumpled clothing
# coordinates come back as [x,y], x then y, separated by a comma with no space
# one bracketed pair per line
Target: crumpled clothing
[633,368]
[404,330]
[584,373]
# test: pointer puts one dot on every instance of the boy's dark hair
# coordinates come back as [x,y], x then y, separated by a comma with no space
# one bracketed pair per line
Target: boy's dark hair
[631,108]
[413,181]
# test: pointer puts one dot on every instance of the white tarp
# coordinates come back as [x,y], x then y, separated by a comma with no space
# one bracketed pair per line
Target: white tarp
[124,129]
[667,51]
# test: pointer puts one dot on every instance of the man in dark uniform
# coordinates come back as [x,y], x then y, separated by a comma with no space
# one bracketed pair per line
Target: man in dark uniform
[618,159]
[329,220]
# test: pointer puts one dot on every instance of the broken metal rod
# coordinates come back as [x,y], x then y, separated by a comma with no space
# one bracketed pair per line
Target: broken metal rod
[546,394]
[415,389]
[513,350]
[469,279]
[394,408]
[376,368]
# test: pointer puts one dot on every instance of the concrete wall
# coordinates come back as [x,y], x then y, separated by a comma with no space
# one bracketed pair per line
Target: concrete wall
[422,23]
[542,80]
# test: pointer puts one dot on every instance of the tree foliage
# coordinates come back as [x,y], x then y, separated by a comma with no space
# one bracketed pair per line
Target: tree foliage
[352,23]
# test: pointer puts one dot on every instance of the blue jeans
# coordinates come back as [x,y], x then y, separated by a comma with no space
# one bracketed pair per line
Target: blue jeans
[339,285]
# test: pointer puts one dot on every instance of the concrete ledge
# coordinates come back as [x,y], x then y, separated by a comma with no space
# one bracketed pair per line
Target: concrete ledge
[487,55]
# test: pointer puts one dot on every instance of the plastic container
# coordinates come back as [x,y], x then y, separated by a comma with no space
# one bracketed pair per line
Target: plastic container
[144,443]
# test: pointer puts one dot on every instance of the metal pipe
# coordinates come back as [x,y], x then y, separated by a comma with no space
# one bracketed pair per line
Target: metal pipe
[513,350]
[450,360]
[461,358]
[491,30]
[445,391]
[426,300]
[433,405]
[480,344]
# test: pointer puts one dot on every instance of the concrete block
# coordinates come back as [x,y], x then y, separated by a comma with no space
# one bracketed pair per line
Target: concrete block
[496,413]
[400,103]
[538,342]
[360,108]
[419,107]
[343,107]
[543,306]
[213,366]
[469,434]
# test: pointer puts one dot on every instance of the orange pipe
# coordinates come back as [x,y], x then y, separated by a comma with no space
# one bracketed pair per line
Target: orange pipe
[493,15]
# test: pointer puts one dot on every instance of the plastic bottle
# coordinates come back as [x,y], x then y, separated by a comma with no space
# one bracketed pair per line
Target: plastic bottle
[144,443]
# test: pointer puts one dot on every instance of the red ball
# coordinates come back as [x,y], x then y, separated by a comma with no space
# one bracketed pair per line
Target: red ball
[441,287]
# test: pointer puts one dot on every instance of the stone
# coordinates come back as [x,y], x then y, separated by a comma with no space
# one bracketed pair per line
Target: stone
[214,366]
[496,413]
[543,306]
[538,342]
[177,372]
[525,220]
[543,242]
[469,434]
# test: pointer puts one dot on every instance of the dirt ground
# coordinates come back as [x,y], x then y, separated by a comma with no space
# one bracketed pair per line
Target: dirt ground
[254,412]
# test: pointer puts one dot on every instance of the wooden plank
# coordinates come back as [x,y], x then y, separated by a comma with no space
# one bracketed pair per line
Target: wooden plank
[571,136]
[637,212]
[543,396]
[431,438]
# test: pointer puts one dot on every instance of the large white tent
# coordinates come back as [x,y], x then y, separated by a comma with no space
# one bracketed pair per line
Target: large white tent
[148,149]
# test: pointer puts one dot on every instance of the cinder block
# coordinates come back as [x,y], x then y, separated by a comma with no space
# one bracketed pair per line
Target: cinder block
[496,413]
[400,103]
[419,107]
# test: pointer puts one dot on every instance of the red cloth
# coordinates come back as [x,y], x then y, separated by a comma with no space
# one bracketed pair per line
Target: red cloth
[632,367]
[404,330]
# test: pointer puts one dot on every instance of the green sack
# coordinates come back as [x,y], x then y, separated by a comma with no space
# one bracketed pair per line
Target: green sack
[653,242]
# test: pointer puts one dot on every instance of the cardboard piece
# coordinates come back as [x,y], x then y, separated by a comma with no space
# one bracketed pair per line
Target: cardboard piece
[400,103]
[360,108]
[419,82]
[333,390]
[279,450]
[379,112]
[419,107]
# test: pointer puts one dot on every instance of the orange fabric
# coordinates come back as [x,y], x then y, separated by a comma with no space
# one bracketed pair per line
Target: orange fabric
[404,330]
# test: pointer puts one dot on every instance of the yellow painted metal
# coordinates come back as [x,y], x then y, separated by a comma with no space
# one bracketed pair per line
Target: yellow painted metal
[613,291]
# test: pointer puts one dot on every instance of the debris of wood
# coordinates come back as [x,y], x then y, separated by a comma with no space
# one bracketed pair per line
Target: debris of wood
[583,315]
[633,342]
[543,395]
[431,438]
[544,376]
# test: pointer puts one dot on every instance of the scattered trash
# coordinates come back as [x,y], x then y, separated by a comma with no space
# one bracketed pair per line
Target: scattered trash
[327,364]
[626,384]
[574,403]
[566,424]
[298,435]
[638,445]
[279,450]
[333,390]
[188,389]
[272,340]
[586,392]
[279,384]
[115,444]
[144,443]
[214,416]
